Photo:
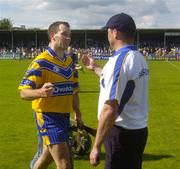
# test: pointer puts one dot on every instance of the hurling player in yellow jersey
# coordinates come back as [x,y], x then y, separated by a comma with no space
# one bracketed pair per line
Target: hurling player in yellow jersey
[51,84]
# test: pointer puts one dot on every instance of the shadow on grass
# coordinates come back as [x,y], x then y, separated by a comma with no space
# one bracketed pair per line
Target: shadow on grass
[88,91]
[146,157]
[153,157]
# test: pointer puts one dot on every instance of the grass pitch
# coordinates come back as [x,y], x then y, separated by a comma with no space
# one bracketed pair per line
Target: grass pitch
[18,140]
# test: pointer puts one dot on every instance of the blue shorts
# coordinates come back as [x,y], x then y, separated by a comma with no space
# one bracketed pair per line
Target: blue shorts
[53,127]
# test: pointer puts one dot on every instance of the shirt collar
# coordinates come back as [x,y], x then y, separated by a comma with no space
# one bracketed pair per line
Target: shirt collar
[125,48]
[53,54]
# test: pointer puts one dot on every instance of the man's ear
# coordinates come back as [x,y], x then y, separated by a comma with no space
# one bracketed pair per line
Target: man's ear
[119,35]
[115,33]
[51,35]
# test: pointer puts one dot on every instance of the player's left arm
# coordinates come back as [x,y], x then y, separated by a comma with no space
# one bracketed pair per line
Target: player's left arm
[76,101]
[76,108]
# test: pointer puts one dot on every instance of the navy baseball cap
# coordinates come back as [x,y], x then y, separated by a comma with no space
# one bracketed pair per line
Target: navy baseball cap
[122,22]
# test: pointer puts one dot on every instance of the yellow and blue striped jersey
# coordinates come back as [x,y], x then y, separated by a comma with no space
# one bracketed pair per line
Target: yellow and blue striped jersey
[47,67]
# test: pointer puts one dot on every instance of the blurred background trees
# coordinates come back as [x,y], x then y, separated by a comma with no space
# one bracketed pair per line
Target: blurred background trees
[6,24]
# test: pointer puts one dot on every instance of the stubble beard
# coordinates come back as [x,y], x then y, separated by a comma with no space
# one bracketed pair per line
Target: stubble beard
[64,46]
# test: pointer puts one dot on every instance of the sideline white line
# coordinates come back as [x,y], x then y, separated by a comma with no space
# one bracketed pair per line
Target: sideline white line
[173,65]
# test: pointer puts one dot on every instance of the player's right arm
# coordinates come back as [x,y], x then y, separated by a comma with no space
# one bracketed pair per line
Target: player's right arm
[33,84]
[90,64]
[30,94]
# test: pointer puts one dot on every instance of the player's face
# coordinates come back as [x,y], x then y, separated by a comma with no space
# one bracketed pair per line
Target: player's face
[62,38]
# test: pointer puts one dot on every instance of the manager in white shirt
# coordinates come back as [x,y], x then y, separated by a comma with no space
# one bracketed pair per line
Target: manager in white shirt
[123,98]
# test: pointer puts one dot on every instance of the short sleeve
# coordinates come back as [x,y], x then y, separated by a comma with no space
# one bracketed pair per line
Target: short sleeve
[32,78]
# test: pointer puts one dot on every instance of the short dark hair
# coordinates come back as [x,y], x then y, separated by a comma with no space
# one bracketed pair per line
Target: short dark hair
[54,27]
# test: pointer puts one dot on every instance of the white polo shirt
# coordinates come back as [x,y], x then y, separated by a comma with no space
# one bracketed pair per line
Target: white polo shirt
[125,79]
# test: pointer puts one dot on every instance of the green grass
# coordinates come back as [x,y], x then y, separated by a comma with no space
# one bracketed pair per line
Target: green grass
[18,140]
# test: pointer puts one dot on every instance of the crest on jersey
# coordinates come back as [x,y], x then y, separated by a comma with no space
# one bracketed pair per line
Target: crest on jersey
[56,68]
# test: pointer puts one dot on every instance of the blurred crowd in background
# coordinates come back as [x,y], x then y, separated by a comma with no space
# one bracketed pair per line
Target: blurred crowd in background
[99,50]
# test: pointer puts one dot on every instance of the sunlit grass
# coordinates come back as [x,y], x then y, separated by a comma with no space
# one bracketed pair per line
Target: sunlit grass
[18,140]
